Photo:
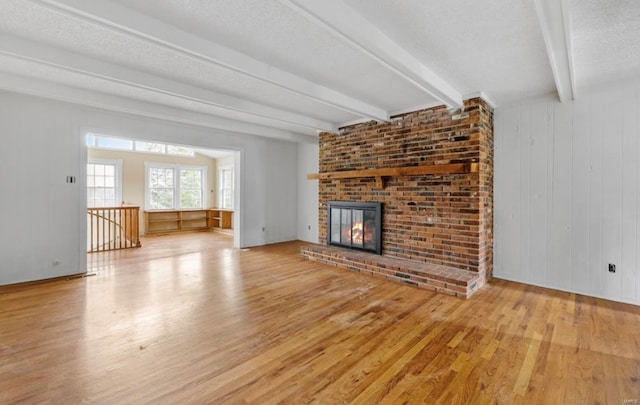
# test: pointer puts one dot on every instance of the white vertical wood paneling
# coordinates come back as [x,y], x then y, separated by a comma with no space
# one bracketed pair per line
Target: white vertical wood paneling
[595,198]
[538,218]
[637,190]
[510,195]
[525,206]
[497,189]
[611,128]
[580,196]
[568,194]
[630,190]
[560,209]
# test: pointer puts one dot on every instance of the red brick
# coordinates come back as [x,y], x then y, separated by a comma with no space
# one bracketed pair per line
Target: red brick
[440,219]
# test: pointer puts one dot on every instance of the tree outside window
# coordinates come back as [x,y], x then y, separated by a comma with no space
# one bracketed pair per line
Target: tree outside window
[175,187]
[191,188]
[161,188]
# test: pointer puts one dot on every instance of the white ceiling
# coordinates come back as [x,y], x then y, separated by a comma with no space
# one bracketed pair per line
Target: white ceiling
[290,68]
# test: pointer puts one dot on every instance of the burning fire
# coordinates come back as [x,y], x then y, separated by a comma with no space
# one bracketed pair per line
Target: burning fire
[358,233]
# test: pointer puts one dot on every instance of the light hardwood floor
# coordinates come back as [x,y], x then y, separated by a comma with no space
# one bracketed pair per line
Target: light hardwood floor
[189,319]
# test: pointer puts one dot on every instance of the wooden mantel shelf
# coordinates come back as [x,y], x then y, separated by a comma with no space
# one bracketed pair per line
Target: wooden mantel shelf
[379,174]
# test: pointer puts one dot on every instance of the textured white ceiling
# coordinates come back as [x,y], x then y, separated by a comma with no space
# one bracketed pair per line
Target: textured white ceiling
[606,41]
[491,46]
[277,35]
[307,72]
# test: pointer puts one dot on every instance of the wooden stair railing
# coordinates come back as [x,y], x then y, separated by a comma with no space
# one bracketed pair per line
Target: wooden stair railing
[112,228]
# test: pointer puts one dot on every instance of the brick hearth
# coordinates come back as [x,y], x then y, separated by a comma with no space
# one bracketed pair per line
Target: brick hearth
[433,277]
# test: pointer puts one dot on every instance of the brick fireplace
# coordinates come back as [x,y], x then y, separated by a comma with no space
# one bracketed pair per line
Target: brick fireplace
[432,170]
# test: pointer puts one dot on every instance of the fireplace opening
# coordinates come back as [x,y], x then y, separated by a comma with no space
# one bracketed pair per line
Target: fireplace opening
[355,225]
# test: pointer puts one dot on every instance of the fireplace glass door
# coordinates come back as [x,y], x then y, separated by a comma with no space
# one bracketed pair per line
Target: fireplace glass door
[355,225]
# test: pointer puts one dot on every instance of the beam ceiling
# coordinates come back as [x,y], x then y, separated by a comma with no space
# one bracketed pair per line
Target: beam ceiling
[124,20]
[58,58]
[349,25]
[553,16]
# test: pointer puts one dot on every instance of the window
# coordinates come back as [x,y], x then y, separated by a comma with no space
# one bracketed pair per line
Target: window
[191,188]
[104,183]
[226,188]
[150,147]
[175,186]
[179,151]
[109,142]
[161,188]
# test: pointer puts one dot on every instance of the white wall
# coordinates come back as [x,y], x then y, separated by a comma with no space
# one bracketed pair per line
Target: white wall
[43,219]
[567,193]
[307,193]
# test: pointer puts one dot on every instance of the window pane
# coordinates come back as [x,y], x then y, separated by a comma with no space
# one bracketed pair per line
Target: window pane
[101,185]
[150,147]
[91,140]
[161,178]
[153,178]
[190,188]
[179,150]
[190,199]
[114,143]
[226,188]
[227,199]
[191,179]
[161,199]
[227,178]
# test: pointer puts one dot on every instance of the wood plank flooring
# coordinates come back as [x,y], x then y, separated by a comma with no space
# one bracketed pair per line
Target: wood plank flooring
[189,319]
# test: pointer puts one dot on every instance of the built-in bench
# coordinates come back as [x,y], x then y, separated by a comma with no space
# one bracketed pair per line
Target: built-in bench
[433,277]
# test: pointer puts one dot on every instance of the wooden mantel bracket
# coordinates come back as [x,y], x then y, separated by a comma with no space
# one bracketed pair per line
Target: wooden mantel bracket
[380,174]
[379,181]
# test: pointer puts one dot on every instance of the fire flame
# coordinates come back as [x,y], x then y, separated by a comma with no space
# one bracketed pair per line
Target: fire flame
[358,234]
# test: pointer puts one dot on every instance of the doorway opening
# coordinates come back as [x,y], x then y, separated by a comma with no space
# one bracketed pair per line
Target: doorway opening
[156,188]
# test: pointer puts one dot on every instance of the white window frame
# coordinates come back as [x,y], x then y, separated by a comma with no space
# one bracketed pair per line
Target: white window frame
[135,145]
[221,170]
[118,176]
[176,173]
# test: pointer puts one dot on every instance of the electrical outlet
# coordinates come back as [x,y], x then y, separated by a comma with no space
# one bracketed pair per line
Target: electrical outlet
[612,268]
